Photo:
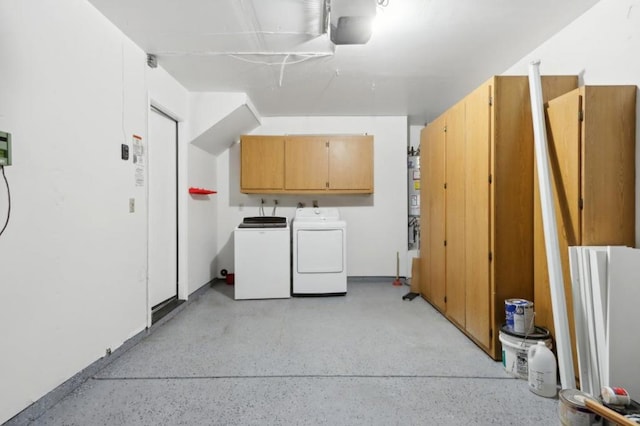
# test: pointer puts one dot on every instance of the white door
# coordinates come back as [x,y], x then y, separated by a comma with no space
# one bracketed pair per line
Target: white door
[163,208]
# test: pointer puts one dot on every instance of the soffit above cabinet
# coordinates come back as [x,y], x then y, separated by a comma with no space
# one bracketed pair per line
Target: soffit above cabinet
[224,132]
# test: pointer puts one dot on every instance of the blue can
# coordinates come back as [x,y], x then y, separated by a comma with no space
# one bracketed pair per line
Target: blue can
[510,309]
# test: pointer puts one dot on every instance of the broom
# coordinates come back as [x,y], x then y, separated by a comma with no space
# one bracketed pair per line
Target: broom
[397,282]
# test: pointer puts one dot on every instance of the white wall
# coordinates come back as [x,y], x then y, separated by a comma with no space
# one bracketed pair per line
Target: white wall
[377,224]
[602,48]
[414,136]
[73,260]
[203,213]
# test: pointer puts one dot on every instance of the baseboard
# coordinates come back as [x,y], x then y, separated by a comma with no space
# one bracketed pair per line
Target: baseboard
[38,408]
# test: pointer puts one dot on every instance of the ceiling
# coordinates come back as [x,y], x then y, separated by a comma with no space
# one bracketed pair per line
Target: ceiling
[423,56]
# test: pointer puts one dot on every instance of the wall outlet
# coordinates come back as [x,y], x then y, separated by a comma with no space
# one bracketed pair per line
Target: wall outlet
[132,205]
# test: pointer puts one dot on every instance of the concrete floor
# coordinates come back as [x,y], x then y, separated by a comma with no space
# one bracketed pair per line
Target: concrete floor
[368,358]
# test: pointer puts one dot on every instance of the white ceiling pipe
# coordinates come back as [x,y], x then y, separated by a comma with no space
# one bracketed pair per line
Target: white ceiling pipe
[558,301]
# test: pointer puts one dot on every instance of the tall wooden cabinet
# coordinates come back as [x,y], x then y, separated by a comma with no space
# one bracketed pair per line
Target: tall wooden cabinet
[477,161]
[432,226]
[591,136]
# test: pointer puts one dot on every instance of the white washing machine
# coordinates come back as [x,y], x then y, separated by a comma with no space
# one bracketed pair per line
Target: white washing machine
[262,251]
[319,249]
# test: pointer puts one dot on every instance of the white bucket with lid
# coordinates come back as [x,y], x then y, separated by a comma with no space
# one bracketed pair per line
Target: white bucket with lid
[515,349]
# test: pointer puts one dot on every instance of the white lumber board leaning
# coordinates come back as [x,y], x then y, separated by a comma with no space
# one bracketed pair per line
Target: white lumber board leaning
[552,245]
[580,321]
[599,285]
[587,300]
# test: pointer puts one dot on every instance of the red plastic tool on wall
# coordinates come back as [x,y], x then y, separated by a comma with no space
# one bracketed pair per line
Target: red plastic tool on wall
[201,191]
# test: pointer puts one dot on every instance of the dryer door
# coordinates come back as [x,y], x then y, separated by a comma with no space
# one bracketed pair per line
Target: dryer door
[320,250]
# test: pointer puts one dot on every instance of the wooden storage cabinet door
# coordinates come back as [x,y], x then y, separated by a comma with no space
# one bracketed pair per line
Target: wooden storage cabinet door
[477,215]
[593,177]
[351,163]
[435,200]
[455,213]
[564,160]
[488,224]
[306,163]
[262,163]
[426,136]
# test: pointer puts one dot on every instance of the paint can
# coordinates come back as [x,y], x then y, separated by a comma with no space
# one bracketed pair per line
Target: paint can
[509,310]
[519,315]
[615,395]
[515,349]
[573,411]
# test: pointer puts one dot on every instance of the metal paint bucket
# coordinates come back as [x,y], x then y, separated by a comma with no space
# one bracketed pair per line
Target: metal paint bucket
[509,310]
[515,349]
[519,315]
[573,411]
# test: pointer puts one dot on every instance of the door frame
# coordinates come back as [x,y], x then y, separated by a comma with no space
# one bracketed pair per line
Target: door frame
[181,200]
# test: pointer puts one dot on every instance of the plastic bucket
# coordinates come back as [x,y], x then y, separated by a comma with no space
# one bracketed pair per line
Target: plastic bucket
[515,348]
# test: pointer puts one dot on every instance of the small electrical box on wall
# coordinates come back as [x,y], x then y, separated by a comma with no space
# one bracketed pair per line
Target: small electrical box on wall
[5,149]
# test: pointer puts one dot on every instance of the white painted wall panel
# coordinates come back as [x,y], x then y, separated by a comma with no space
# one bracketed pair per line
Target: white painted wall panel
[203,213]
[601,47]
[73,257]
[377,223]
[622,317]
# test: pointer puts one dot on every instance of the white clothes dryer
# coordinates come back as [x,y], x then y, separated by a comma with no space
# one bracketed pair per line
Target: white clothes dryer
[319,246]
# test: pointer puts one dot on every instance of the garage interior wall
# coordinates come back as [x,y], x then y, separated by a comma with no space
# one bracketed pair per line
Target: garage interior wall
[73,259]
[376,224]
[601,47]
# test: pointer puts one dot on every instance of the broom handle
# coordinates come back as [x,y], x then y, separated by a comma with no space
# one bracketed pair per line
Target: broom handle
[608,413]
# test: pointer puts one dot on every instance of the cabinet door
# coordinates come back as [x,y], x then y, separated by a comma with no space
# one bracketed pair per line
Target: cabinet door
[477,215]
[564,160]
[455,213]
[306,163]
[351,163]
[608,165]
[262,163]
[427,135]
[435,177]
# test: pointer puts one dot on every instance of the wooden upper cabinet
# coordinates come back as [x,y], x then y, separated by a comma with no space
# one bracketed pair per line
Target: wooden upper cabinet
[307,164]
[262,162]
[351,163]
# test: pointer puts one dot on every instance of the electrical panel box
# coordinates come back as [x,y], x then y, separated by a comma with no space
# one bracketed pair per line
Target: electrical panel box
[5,149]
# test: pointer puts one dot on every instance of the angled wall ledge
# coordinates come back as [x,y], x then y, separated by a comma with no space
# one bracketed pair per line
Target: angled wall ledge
[220,119]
